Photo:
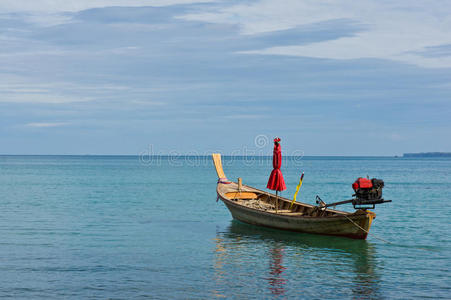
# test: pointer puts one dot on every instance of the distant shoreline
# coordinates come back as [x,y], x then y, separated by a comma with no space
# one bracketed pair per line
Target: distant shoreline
[427,154]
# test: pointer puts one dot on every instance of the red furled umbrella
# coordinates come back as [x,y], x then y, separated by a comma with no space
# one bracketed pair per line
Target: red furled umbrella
[276,181]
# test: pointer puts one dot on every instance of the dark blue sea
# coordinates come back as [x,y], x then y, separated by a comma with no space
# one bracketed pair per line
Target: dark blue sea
[118,227]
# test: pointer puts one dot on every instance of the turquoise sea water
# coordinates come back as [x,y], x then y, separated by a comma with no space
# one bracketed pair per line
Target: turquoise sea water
[127,227]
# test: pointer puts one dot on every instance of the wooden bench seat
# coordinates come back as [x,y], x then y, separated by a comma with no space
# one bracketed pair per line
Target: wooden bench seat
[242,195]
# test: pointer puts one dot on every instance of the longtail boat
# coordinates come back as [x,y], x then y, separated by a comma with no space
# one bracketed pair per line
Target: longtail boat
[257,207]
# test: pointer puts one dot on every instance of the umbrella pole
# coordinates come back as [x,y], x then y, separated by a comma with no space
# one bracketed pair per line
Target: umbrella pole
[277,201]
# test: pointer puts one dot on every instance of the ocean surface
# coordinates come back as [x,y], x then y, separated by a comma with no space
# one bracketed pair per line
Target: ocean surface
[87,227]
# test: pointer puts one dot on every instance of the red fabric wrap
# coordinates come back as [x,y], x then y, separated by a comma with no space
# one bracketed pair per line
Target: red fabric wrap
[276,181]
[362,183]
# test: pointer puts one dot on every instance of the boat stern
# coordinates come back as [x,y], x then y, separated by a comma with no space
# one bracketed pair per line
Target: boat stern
[362,224]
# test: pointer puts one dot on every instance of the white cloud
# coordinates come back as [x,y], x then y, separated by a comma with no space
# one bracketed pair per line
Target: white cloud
[41,125]
[395,136]
[54,12]
[399,31]
[244,116]
[48,19]
[14,89]
[58,6]
[147,103]
[41,98]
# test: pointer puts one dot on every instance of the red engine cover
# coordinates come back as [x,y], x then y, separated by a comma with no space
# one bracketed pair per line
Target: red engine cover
[362,183]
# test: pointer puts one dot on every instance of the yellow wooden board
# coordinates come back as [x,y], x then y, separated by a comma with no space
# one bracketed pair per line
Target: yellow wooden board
[218,165]
[242,195]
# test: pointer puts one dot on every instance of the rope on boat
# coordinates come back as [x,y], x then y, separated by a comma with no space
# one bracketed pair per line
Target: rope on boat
[367,230]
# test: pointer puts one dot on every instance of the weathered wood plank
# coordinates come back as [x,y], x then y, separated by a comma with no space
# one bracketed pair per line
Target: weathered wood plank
[242,195]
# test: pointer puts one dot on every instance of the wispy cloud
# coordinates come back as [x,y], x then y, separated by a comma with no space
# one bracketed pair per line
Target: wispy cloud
[244,116]
[55,6]
[53,12]
[44,125]
[27,97]
[19,90]
[394,31]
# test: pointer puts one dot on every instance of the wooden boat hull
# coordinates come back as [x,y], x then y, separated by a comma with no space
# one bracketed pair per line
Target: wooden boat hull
[336,226]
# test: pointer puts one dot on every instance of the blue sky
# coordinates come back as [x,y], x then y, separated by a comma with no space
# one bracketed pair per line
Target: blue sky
[328,77]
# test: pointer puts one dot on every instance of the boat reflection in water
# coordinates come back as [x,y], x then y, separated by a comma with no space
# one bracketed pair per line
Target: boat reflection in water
[276,279]
[252,261]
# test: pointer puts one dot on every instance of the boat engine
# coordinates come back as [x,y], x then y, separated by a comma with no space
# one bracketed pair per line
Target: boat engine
[368,191]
